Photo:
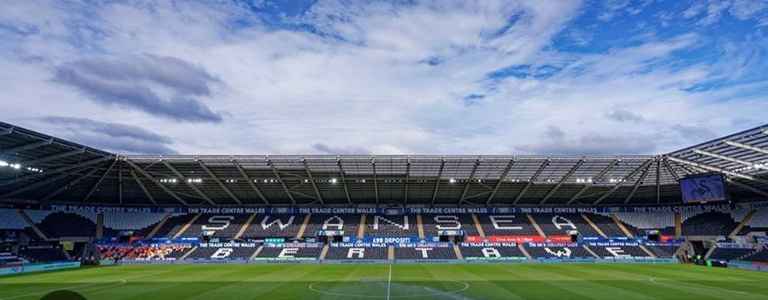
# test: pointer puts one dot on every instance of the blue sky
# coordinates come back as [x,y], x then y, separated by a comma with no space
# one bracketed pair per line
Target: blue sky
[385,77]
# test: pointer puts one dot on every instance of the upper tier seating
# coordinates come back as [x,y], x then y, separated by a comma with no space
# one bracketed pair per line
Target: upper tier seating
[709,223]
[567,251]
[67,224]
[561,224]
[759,222]
[500,251]
[391,226]
[641,222]
[217,225]
[348,224]
[130,221]
[290,252]
[425,253]
[356,253]
[171,227]
[663,251]
[285,226]
[506,224]
[434,223]
[607,225]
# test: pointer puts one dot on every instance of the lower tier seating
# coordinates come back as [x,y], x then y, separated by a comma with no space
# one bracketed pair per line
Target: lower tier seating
[356,253]
[425,252]
[491,251]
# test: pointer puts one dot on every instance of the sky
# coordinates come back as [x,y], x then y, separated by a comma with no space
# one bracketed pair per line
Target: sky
[385,77]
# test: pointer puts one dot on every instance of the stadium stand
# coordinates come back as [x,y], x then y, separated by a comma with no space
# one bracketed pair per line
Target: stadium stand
[557,251]
[61,224]
[434,223]
[561,224]
[216,225]
[335,224]
[172,226]
[43,254]
[140,223]
[607,225]
[662,221]
[491,251]
[356,252]
[391,226]
[221,252]
[506,224]
[290,252]
[760,255]
[284,226]
[708,223]
[728,254]
[159,252]
[425,252]
[662,251]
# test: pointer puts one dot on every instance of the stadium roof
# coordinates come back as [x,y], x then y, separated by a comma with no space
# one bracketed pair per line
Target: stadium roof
[38,169]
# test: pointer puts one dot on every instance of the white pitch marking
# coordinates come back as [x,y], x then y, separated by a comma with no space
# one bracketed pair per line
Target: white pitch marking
[389,281]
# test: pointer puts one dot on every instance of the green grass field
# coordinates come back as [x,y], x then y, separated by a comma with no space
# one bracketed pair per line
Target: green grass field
[373,281]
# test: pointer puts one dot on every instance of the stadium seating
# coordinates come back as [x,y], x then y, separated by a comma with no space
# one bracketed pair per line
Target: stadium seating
[285,226]
[760,255]
[506,224]
[639,223]
[224,252]
[561,224]
[607,225]
[159,252]
[356,253]
[61,224]
[8,259]
[172,226]
[346,224]
[290,252]
[558,251]
[491,251]
[216,225]
[425,252]
[43,254]
[728,254]
[391,226]
[708,224]
[138,223]
[662,251]
[434,223]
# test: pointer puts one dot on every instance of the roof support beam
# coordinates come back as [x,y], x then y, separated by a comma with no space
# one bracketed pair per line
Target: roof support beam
[748,147]
[531,180]
[279,179]
[623,180]
[469,181]
[731,159]
[499,182]
[562,181]
[437,182]
[68,185]
[716,169]
[143,188]
[35,185]
[29,146]
[375,181]
[46,159]
[153,179]
[96,185]
[312,180]
[658,180]
[343,180]
[669,168]
[219,182]
[597,178]
[407,177]
[188,183]
[638,183]
[250,181]
[59,170]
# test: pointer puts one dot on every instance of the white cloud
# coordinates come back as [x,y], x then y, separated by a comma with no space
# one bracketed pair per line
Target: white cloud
[363,85]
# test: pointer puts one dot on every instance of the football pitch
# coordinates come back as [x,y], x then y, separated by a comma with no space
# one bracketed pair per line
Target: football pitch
[394,281]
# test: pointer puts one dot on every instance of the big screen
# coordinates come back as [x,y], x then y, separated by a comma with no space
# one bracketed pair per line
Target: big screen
[703,188]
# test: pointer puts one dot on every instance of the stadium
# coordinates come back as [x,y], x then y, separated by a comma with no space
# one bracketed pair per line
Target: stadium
[382,226]
[383,149]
